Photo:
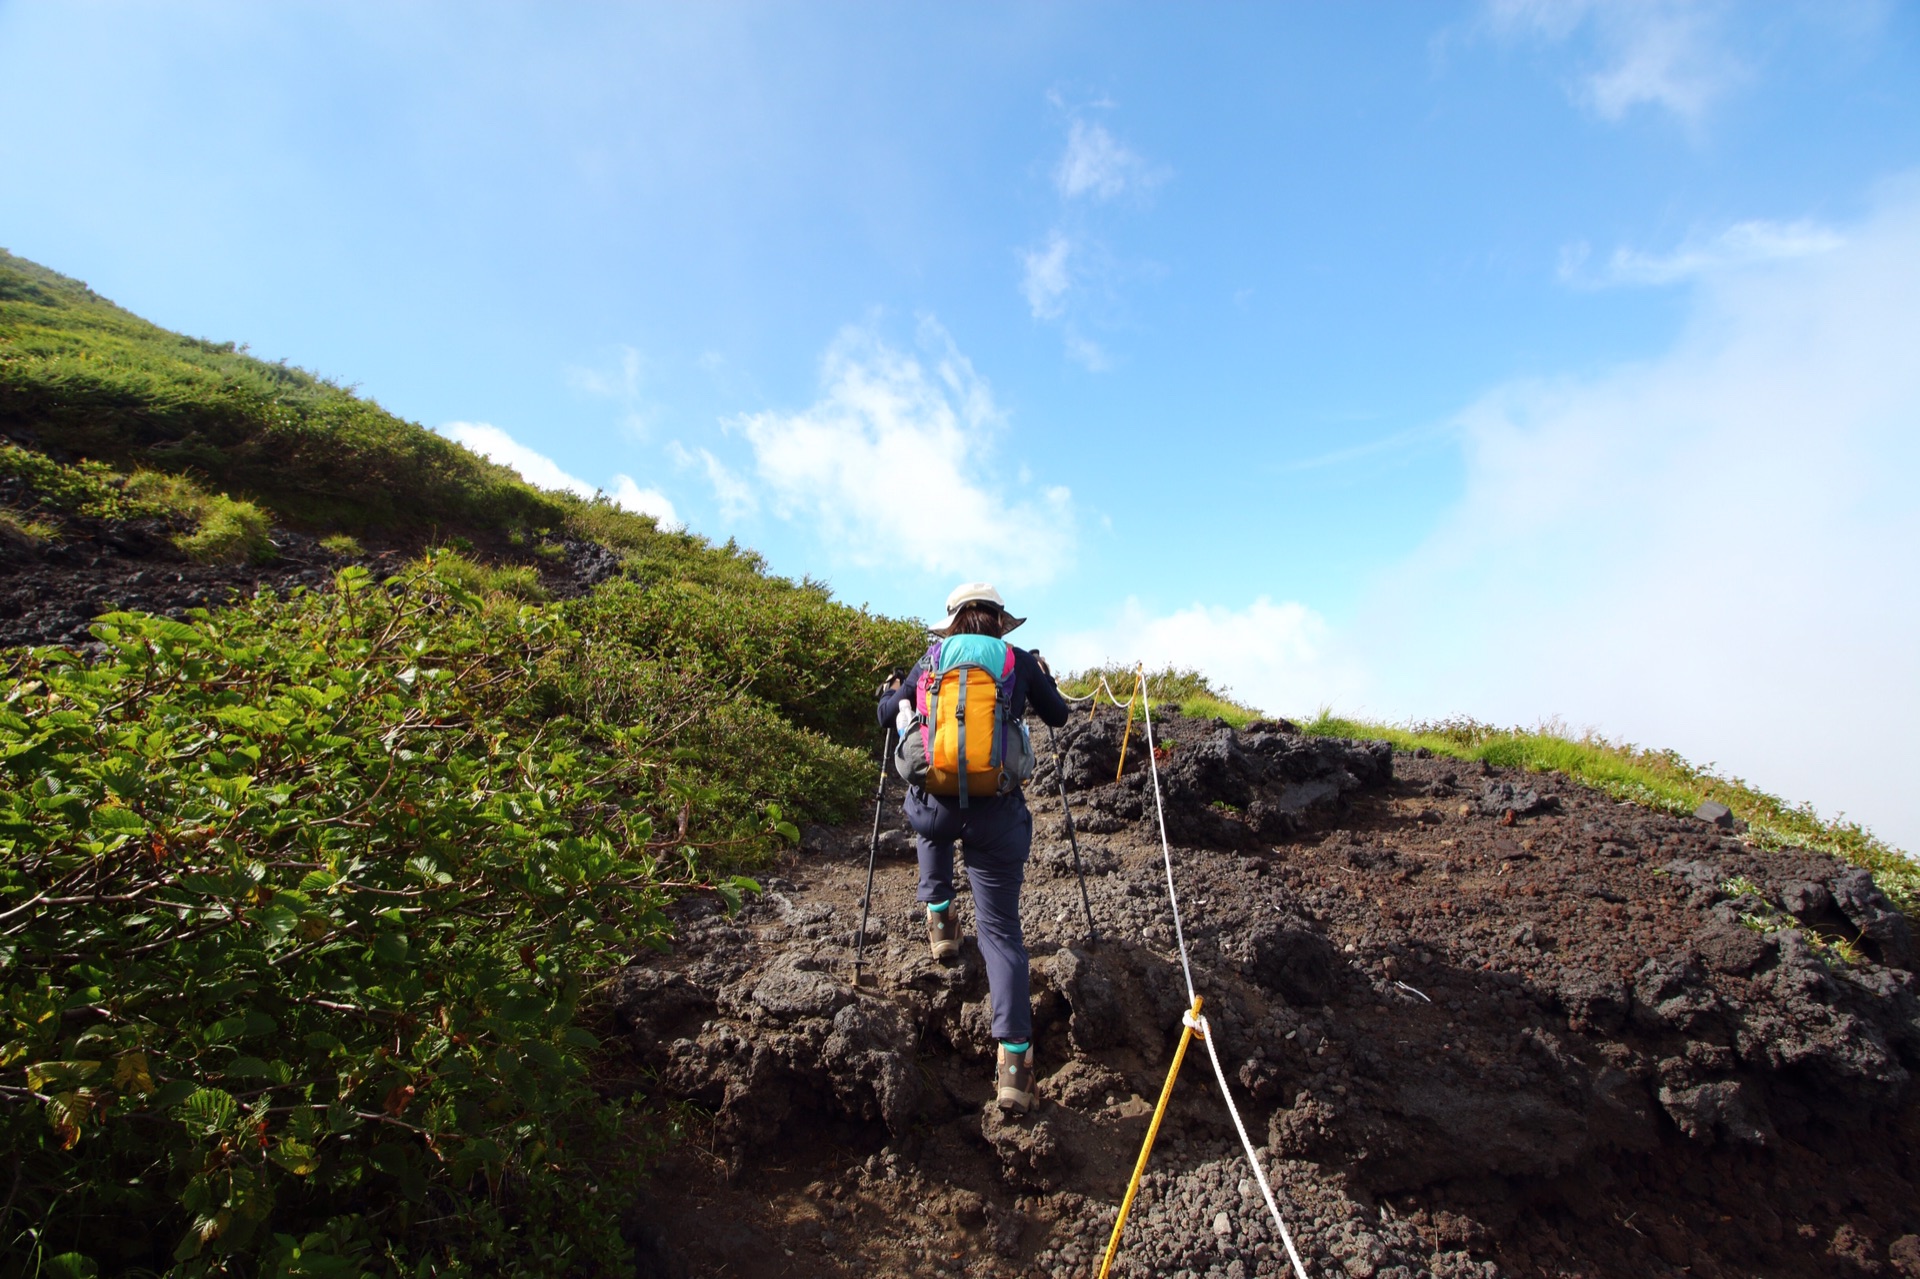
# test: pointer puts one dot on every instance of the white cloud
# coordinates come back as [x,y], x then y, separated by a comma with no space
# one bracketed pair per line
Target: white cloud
[1742,244]
[890,465]
[1276,656]
[538,469]
[496,445]
[1095,165]
[1045,280]
[1666,53]
[1711,550]
[628,494]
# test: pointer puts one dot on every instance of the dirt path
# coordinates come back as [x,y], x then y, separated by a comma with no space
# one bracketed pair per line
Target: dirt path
[1477,1031]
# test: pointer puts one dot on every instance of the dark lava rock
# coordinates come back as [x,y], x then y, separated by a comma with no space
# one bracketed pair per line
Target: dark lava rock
[1735,951]
[1501,798]
[1861,900]
[1291,960]
[1714,813]
[1805,900]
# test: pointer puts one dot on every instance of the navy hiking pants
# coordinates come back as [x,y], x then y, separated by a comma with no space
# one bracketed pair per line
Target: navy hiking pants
[998,834]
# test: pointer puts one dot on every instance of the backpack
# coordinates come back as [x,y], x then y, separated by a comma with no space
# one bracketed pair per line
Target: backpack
[964,741]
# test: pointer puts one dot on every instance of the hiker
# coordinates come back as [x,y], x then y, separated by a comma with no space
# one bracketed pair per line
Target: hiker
[964,753]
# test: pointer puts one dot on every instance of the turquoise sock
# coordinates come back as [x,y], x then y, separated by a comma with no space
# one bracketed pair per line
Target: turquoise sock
[940,905]
[1020,1047]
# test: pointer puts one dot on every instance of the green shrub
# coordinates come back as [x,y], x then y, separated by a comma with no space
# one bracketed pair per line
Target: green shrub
[298,907]
[228,532]
[218,528]
[812,660]
[1189,690]
[343,545]
[23,530]
[301,905]
[516,581]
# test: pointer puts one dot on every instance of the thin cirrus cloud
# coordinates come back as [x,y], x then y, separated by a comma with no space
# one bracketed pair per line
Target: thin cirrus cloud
[1095,166]
[541,471]
[1740,245]
[1669,54]
[923,426]
[1094,169]
[618,381]
[1046,281]
[735,495]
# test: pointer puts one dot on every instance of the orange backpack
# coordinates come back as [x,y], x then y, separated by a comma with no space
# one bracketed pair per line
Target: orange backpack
[964,741]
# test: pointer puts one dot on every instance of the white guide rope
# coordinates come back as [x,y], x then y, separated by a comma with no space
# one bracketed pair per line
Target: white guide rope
[1201,1027]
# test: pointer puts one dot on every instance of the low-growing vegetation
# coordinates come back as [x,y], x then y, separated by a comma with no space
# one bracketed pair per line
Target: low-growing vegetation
[1189,690]
[212,527]
[1656,778]
[302,902]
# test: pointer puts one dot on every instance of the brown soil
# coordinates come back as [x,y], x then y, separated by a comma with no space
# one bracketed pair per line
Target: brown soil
[1474,1031]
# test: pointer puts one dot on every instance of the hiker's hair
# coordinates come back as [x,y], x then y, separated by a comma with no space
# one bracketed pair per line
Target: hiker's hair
[978,619]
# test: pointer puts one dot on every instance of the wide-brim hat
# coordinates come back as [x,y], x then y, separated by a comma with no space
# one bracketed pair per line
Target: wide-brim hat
[974,593]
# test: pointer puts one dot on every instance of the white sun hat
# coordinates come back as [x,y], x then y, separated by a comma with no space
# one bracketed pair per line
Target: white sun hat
[975,593]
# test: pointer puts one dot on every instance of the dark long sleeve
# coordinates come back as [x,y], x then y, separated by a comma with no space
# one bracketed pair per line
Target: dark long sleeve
[1043,695]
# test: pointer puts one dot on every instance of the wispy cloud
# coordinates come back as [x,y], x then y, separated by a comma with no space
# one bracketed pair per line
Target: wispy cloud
[618,380]
[538,469]
[1070,275]
[892,465]
[1087,353]
[1742,244]
[1046,280]
[1671,54]
[735,495]
[1096,166]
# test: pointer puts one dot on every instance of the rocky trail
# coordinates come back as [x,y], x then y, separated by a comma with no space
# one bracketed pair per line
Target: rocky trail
[1480,1023]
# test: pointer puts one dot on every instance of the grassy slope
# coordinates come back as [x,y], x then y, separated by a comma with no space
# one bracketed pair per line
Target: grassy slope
[303,902]
[83,376]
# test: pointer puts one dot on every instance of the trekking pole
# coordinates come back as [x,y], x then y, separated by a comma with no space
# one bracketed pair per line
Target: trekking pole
[1060,775]
[860,976]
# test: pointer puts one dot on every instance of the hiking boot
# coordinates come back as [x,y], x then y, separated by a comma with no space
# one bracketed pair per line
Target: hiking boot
[943,933]
[1015,1078]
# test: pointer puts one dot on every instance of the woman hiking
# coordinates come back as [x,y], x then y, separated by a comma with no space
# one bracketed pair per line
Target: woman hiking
[965,753]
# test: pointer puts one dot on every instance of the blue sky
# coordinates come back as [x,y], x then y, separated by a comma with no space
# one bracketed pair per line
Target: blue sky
[1516,359]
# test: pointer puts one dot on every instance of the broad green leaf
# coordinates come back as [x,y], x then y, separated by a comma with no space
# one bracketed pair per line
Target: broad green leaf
[49,1076]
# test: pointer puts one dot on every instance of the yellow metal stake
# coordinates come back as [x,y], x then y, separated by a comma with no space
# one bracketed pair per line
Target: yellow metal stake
[1153,1130]
[1139,687]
